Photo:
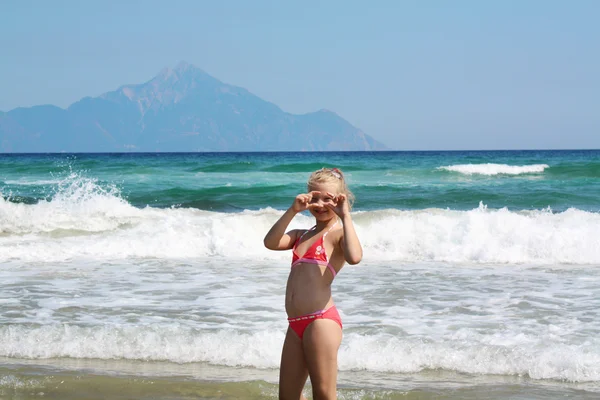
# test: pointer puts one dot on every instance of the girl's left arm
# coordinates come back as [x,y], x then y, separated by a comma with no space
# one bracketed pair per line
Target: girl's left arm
[349,242]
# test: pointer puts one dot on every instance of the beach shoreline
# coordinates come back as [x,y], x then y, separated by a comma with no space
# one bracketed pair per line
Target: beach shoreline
[118,379]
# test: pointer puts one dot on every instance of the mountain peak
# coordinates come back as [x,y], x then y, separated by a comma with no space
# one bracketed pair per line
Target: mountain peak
[182,70]
[183,66]
[180,109]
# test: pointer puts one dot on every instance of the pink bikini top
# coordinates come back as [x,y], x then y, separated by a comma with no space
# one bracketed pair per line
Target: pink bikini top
[316,254]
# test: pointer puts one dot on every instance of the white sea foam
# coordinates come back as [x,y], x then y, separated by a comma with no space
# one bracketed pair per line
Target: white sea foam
[482,236]
[398,317]
[89,224]
[86,221]
[34,182]
[533,357]
[79,205]
[495,169]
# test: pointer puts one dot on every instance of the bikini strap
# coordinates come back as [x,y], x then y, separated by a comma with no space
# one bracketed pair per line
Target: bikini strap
[305,232]
[308,230]
[329,230]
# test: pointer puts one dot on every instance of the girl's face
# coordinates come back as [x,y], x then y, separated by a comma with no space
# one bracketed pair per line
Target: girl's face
[325,196]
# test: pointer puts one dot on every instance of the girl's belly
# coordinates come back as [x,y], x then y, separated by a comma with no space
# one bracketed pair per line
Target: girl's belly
[307,290]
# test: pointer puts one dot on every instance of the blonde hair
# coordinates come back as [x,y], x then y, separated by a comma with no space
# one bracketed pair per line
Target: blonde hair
[332,175]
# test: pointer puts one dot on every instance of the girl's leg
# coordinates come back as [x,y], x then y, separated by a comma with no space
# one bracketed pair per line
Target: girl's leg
[293,372]
[321,342]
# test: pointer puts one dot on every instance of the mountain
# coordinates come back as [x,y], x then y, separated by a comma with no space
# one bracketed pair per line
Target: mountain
[181,109]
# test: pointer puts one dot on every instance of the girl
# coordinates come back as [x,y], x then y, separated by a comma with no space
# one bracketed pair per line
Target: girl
[315,328]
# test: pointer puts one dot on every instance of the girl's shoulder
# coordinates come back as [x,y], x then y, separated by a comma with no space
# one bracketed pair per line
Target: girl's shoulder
[336,234]
[299,233]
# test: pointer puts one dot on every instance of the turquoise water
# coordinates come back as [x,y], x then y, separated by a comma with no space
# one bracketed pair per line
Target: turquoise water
[384,180]
[145,276]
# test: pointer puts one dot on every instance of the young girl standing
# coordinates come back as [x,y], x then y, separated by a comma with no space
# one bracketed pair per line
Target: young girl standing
[315,327]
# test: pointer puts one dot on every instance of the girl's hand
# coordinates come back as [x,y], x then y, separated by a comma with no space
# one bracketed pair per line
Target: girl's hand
[302,201]
[340,205]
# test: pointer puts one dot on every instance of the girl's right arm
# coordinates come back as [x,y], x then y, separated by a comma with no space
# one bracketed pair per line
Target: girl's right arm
[276,238]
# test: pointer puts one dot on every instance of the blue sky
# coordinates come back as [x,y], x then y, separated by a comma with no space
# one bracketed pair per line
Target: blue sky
[512,74]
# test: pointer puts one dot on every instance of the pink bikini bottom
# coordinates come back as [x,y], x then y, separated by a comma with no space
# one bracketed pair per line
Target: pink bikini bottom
[299,324]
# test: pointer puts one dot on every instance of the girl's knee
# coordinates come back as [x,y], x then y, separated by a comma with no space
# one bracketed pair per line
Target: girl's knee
[324,392]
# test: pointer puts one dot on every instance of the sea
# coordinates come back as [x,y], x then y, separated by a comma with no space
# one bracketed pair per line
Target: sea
[144,276]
